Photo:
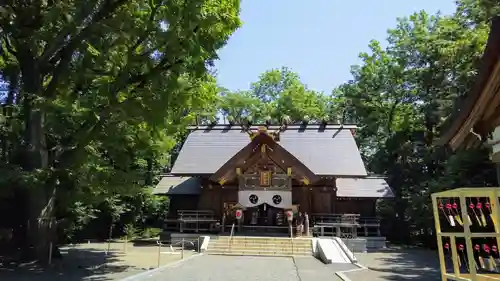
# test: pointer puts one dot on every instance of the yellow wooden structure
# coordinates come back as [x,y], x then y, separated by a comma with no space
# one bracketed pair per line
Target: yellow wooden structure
[464,195]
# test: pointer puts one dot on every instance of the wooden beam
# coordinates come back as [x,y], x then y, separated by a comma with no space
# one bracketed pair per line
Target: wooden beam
[305,180]
[231,174]
[222,180]
[478,109]
[493,88]
[236,161]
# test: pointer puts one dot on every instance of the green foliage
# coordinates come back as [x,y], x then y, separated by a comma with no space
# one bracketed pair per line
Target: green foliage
[150,233]
[401,95]
[130,216]
[100,93]
[277,93]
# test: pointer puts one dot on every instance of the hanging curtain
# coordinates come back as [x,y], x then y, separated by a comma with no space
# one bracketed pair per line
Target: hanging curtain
[252,198]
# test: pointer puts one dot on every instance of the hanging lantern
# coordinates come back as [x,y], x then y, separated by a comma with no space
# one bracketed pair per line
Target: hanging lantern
[238,214]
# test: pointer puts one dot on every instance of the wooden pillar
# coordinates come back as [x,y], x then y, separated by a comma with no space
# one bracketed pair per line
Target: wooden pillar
[334,202]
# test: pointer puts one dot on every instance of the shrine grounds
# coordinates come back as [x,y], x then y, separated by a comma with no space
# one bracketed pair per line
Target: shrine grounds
[88,262]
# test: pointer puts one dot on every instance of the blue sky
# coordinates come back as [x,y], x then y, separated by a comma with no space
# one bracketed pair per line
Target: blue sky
[318,39]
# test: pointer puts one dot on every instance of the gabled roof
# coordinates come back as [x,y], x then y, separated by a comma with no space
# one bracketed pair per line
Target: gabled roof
[325,150]
[471,110]
[369,187]
[272,150]
[172,185]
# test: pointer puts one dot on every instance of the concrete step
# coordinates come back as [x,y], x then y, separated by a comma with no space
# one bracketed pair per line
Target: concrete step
[258,253]
[261,247]
[263,238]
[261,244]
[265,241]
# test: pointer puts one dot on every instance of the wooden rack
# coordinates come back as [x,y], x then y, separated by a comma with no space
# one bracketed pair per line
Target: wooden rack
[468,233]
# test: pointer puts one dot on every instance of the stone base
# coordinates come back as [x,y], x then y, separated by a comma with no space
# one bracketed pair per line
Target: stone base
[365,244]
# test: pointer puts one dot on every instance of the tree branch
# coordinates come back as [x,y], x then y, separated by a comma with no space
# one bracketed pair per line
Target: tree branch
[58,48]
[64,54]
[154,11]
[8,46]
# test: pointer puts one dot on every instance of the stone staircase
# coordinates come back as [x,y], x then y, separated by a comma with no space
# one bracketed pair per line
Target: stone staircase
[260,246]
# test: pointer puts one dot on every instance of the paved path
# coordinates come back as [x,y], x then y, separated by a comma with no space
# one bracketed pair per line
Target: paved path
[237,268]
[397,265]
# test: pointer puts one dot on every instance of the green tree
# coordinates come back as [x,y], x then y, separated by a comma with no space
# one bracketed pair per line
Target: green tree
[400,96]
[277,93]
[99,81]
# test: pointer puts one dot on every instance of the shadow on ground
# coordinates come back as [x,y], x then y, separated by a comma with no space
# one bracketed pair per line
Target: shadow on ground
[75,264]
[398,264]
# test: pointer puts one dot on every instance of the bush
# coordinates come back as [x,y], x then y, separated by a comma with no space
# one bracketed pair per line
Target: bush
[139,215]
[150,232]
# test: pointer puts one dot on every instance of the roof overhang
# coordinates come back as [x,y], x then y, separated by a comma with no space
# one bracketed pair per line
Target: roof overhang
[477,114]
[366,187]
[173,185]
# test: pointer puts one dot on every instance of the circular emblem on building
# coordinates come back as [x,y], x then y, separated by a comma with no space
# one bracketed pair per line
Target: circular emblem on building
[277,199]
[253,199]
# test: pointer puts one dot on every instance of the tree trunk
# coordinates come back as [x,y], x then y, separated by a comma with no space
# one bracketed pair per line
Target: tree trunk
[40,198]
[149,173]
[7,112]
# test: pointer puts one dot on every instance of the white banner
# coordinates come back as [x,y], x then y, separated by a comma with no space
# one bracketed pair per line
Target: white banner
[252,198]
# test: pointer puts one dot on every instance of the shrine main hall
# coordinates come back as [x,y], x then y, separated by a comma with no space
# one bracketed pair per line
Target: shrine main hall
[266,170]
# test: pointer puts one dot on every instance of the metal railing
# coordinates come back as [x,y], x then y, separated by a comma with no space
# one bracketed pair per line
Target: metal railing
[291,237]
[195,215]
[346,218]
[229,242]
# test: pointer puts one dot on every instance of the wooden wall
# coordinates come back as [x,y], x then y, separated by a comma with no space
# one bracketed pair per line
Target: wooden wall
[215,197]
[312,200]
[182,202]
[364,207]
[324,200]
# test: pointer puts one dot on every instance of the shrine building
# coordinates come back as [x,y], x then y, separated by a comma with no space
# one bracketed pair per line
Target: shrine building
[265,170]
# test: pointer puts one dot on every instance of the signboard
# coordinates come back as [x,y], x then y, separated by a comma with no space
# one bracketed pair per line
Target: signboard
[265,178]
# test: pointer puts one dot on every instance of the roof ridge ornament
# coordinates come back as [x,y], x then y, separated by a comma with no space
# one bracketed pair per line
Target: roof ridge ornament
[247,127]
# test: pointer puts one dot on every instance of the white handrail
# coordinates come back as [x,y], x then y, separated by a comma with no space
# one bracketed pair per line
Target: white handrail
[291,237]
[230,237]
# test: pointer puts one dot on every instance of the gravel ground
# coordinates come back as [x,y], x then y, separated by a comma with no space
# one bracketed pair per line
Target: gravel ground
[237,268]
[89,262]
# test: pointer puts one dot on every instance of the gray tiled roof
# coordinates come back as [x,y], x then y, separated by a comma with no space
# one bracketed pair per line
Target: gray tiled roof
[172,185]
[325,151]
[363,187]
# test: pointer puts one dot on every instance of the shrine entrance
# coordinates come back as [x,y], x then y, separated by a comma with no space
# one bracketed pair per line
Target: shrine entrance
[264,215]
[264,220]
